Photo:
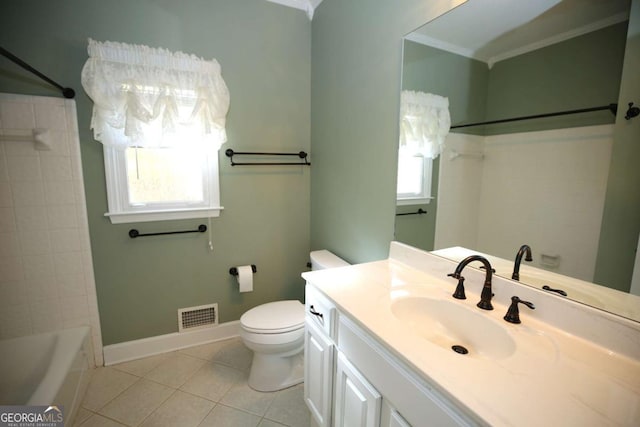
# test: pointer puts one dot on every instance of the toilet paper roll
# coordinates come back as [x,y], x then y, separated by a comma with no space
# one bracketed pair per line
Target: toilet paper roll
[245,278]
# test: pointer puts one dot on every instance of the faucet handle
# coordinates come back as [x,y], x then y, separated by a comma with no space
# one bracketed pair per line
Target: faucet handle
[459,293]
[513,314]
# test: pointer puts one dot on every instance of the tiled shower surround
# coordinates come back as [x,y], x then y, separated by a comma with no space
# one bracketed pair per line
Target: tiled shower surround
[46,273]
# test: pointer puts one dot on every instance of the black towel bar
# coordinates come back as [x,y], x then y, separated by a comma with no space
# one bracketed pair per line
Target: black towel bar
[133,233]
[234,270]
[302,155]
[418,212]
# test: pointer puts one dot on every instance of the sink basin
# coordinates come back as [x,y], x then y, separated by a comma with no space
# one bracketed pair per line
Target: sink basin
[448,324]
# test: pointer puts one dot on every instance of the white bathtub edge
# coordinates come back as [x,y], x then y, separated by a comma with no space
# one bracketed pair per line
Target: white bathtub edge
[69,344]
[131,350]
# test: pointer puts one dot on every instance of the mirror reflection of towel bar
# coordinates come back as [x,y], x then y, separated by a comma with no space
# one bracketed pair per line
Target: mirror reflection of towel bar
[455,154]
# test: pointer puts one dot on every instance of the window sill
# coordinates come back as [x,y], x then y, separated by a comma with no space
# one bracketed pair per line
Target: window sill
[414,201]
[165,215]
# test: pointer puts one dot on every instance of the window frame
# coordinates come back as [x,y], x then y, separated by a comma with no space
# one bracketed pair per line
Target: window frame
[121,211]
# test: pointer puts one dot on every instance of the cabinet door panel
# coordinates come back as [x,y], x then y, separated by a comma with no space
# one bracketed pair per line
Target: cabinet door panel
[397,420]
[357,403]
[318,374]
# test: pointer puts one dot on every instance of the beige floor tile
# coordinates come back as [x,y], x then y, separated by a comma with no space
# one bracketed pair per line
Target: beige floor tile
[99,421]
[235,354]
[181,409]
[289,408]
[106,384]
[175,370]
[121,397]
[81,416]
[212,381]
[141,367]
[137,402]
[223,416]
[204,351]
[241,396]
[268,423]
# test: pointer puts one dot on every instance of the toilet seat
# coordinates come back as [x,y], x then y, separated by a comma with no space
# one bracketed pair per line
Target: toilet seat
[274,317]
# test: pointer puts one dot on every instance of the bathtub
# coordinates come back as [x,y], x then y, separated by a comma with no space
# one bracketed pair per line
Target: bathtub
[46,369]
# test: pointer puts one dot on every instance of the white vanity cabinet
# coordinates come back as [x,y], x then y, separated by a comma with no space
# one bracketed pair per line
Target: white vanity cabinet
[407,400]
[394,419]
[318,374]
[357,402]
[319,355]
[351,380]
[334,391]
[379,352]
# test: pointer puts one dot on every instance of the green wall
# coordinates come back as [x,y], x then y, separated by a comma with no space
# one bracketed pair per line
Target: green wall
[581,72]
[463,80]
[265,53]
[355,87]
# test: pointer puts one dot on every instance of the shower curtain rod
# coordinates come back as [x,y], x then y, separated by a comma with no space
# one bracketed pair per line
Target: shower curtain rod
[611,107]
[67,92]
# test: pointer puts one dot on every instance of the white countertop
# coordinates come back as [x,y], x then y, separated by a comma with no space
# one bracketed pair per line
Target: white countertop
[554,378]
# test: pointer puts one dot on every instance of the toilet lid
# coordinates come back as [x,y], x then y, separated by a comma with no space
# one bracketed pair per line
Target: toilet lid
[274,317]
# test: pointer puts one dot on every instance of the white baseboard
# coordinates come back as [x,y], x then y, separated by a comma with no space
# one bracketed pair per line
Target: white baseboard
[131,350]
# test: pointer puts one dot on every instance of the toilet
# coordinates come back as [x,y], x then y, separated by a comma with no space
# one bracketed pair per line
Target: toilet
[275,333]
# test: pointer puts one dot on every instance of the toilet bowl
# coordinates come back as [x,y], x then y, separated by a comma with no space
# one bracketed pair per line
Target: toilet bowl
[275,333]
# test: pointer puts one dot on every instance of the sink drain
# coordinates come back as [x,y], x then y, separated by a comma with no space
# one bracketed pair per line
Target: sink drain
[459,349]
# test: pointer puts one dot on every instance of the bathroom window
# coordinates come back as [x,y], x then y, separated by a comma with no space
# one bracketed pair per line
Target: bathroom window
[149,184]
[414,179]
[160,116]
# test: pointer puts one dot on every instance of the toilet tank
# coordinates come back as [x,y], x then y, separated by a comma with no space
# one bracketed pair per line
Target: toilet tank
[324,259]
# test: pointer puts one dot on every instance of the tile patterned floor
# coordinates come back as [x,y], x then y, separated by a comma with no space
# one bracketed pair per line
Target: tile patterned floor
[204,386]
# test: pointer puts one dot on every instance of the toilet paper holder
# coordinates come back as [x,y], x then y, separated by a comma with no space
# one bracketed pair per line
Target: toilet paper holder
[234,270]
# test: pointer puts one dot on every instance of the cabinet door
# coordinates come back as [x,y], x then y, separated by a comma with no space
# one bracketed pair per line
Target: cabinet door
[318,374]
[396,420]
[357,403]
[390,417]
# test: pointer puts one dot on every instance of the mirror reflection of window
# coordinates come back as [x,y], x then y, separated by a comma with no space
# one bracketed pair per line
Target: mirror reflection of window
[424,124]
[414,178]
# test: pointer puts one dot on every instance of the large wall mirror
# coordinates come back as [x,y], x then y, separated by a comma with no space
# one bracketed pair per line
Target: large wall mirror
[540,181]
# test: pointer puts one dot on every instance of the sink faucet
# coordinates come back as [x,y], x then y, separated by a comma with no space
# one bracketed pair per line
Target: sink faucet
[485,296]
[513,314]
[524,250]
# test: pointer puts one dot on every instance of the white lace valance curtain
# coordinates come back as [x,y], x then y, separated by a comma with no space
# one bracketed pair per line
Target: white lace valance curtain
[424,123]
[149,97]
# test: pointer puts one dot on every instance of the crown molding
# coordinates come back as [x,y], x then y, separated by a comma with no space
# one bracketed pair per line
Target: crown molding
[308,6]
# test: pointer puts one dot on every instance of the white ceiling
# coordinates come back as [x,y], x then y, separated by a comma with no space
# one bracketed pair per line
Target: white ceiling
[492,30]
